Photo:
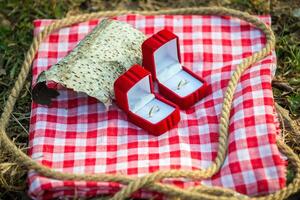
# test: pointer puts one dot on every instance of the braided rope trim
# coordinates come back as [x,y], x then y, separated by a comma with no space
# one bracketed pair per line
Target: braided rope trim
[151,181]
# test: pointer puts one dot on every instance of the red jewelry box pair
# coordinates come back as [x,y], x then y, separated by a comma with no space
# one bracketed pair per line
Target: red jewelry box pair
[178,85]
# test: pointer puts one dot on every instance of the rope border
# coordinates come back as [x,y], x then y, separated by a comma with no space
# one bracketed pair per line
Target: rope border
[151,181]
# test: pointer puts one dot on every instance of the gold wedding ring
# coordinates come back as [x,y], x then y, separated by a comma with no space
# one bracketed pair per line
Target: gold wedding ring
[153,110]
[182,83]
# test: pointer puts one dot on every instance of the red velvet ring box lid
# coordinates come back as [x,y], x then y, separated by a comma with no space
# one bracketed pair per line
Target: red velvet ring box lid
[161,56]
[134,94]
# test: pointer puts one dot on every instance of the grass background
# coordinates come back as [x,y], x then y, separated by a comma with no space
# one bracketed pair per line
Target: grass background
[16,29]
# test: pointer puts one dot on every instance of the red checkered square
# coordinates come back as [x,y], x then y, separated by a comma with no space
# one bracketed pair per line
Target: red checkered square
[76,133]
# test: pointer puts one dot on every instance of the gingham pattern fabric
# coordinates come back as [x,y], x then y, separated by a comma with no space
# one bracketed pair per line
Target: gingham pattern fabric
[76,134]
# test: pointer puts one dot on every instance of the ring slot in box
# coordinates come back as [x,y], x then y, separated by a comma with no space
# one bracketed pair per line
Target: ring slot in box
[161,56]
[134,94]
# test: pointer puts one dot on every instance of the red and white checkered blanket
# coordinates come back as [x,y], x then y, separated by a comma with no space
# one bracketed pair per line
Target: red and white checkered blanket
[76,134]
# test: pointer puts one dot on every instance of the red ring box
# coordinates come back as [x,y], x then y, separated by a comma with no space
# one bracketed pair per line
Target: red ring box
[161,56]
[134,94]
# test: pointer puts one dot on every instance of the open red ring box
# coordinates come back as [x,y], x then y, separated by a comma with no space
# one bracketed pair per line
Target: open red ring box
[161,56]
[134,94]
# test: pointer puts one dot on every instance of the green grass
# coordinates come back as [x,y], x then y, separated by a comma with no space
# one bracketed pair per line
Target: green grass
[16,36]
[287,29]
